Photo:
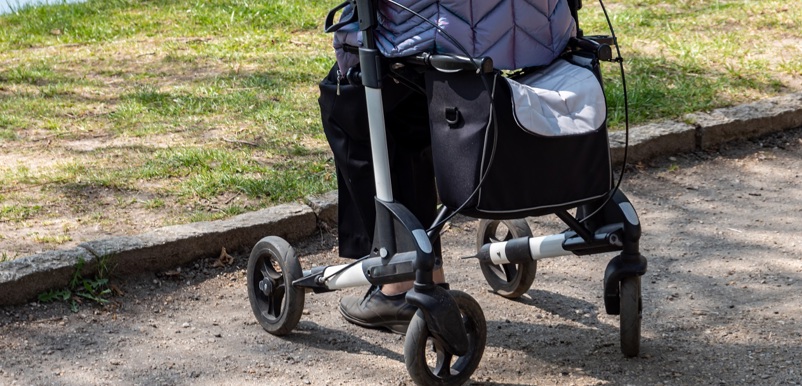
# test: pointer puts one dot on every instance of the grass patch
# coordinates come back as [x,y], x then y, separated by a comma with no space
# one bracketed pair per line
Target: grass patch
[206,173]
[689,55]
[50,239]
[80,290]
[16,213]
[179,106]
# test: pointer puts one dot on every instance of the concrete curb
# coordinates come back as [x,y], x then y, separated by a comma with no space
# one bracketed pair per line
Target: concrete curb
[21,280]
[705,130]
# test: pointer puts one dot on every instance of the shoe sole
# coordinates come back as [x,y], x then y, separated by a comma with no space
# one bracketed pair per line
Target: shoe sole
[398,327]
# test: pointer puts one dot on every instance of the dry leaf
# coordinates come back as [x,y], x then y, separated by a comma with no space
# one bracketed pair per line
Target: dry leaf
[117,291]
[224,259]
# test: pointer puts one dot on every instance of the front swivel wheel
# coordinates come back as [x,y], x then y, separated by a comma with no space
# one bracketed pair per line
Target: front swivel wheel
[272,267]
[427,360]
[631,313]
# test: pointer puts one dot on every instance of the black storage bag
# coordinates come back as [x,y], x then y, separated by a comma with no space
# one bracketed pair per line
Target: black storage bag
[530,174]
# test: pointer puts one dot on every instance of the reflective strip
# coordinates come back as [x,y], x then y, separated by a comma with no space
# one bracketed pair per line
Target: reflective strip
[498,253]
[547,246]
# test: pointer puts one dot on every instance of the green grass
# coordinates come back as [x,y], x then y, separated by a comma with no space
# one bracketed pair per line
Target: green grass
[685,56]
[18,212]
[95,290]
[194,110]
[240,75]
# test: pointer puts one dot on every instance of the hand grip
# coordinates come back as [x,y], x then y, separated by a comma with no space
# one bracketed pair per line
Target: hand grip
[454,63]
[601,50]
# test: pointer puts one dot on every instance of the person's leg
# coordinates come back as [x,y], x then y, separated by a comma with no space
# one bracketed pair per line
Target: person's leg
[412,173]
[345,123]
[412,169]
[344,116]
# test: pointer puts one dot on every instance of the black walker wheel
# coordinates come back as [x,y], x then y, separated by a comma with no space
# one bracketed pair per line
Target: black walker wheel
[427,361]
[272,267]
[508,280]
[630,315]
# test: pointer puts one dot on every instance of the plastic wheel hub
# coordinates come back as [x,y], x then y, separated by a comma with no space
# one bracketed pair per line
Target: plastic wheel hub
[266,285]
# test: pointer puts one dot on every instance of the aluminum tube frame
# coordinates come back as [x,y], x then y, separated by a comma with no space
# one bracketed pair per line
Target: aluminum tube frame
[353,276]
[539,248]
[378,144]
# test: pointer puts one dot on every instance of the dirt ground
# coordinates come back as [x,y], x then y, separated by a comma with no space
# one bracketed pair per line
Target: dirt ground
[722,301]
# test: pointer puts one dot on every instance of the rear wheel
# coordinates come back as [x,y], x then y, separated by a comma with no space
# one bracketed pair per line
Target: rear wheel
[508,280]
[272,267]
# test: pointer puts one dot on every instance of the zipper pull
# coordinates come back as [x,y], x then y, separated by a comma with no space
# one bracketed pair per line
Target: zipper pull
[339,76]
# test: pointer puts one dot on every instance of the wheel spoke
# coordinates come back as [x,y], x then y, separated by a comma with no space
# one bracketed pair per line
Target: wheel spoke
[510,271]
[265,270]
[443,367]
[276,300]
[271,307]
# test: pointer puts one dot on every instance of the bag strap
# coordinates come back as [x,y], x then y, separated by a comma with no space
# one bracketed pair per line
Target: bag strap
[330,26]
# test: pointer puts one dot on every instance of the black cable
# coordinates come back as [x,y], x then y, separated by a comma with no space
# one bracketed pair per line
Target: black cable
[620,62]
[461,48]
[494,122]
[347,266]
[437,27]
[491,92]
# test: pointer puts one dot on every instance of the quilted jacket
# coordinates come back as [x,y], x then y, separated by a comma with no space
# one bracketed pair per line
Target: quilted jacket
[514,33]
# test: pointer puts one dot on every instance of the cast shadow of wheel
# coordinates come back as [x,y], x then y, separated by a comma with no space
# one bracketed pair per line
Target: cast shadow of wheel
[311,334]
[565,307]
[561,322]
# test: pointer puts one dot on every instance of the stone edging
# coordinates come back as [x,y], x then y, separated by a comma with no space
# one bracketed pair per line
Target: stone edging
[21,280]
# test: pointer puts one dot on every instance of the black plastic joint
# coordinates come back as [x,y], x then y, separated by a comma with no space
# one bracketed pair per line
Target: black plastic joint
[367,14]
[370,62]
[518,250]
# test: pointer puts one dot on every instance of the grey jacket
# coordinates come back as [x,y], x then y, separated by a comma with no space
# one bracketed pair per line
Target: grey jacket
[514,33]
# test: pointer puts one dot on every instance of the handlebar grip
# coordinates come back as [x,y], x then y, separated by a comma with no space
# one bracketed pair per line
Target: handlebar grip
[601,50]
[455,63]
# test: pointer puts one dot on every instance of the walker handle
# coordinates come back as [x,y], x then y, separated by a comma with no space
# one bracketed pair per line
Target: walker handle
[598,45]
[453,63]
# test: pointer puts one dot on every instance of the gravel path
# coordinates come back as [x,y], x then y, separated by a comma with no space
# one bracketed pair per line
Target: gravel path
[722,300]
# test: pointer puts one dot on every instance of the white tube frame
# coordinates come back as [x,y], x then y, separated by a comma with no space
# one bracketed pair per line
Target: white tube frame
[378,144]
[353,276]
[539,248]
[342,276]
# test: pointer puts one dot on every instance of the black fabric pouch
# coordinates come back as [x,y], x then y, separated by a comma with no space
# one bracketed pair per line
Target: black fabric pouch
[490,166]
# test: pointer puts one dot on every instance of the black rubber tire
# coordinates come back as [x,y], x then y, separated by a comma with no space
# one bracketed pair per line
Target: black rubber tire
[630,315]
[277,307]
[508,280]
[460,369]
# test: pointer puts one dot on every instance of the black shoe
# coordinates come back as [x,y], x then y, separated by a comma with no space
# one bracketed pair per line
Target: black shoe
[377,310]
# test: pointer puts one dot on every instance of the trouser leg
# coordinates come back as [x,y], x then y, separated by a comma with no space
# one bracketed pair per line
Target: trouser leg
[345,123]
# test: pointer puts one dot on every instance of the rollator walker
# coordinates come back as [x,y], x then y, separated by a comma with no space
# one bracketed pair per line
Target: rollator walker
[470,110]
